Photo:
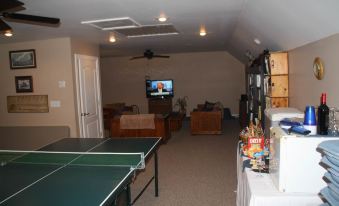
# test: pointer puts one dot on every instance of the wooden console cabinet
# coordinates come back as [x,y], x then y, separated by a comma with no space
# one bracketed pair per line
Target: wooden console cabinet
[206,122]
[162,129]
[277,92]
[175,120]
[160,106]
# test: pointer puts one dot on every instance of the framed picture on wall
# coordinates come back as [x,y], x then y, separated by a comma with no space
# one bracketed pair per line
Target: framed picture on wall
[23,84]
[22,59]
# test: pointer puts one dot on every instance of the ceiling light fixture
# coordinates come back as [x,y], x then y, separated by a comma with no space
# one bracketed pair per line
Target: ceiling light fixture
[8,33]
[257,41]
[162,18]
[202,31]
[112,39]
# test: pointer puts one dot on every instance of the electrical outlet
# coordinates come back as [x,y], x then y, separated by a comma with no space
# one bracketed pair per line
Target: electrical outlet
[55,103]
[62,84]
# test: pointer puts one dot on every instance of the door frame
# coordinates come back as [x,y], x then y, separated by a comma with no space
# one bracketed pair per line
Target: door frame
[80,123]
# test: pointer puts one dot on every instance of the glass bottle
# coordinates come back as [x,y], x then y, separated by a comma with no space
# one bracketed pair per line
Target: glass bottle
[323,113]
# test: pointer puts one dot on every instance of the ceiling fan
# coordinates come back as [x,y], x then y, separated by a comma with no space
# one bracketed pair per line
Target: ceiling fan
[7,12]
[149,55]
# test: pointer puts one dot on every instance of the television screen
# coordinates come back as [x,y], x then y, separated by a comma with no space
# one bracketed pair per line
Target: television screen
[159,88]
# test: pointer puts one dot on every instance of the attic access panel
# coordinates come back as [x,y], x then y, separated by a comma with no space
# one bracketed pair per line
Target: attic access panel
[148,30]
[113,23]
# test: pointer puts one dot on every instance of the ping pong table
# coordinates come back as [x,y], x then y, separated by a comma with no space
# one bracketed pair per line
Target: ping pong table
[76,171]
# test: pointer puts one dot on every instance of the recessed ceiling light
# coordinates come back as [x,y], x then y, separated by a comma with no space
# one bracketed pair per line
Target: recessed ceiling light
[112,39]
[8,33]
[202,31]
[162,18]
[257,41]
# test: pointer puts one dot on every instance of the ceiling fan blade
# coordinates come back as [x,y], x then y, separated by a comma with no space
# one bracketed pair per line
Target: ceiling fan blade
[161,56]
[9,4]
[149,55]
[32,18]
[140,57]
[4,26]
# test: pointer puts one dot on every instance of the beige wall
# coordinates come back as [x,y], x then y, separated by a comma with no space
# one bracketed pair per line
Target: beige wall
[305,89]
[211,76]
[84,48]
[54,63]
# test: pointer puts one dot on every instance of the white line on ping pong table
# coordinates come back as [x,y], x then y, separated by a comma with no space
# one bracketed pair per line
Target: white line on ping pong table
[110,194]
[116,187]
[153,146]
[60,152]
[88,152]
[41,178]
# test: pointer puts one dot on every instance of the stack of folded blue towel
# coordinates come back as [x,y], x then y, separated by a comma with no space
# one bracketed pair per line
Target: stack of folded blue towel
[330,161]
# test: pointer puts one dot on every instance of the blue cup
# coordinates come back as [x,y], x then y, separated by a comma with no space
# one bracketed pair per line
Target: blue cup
[310,118]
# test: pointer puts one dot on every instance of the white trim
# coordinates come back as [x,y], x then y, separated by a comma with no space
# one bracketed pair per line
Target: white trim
[146,35]
[110,194]
[77,66]
[132,170]
[42,178]
[92,23]
[156,34]
[77,85]
[117,27]
[9,197]
[76,153]
[153,146]
[142,163]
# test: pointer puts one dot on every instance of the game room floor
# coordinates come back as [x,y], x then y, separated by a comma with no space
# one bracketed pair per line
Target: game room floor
[194,170]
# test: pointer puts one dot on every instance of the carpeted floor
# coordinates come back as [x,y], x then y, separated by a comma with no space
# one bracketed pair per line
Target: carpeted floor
[195,170]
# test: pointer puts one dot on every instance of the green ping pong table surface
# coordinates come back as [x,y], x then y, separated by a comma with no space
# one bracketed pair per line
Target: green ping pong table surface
[76,171]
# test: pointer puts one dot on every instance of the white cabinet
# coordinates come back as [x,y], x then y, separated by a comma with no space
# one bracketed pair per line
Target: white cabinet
[294,163]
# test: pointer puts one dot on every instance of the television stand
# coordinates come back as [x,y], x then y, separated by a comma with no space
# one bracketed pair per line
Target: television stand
[160,105]
[175,120]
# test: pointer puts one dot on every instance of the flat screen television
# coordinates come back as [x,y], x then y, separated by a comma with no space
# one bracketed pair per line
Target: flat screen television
[159,88]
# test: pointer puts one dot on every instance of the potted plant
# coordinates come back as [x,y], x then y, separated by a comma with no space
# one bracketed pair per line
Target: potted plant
[181,104]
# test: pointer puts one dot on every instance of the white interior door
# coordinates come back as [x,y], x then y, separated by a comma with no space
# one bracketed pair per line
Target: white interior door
[89,96]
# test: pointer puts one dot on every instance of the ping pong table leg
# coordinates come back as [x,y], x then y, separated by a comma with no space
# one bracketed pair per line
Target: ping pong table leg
[129,203]
[155,178]
[156,173]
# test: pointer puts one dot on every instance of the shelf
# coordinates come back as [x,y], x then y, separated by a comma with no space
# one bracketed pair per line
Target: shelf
[267,84]
[160,106]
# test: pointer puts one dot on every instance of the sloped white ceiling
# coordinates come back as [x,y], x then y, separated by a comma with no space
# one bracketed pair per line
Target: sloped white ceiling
[231,25]
[283,25]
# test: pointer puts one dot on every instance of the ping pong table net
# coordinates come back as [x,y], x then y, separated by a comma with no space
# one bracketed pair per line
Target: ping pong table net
[132,160]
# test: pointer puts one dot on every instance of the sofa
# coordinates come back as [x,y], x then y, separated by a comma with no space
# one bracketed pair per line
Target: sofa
[159,128]
[207,119]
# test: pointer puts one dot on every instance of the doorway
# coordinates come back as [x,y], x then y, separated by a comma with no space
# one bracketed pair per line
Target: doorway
[88,96]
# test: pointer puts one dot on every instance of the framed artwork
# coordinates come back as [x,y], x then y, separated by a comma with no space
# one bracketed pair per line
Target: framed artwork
[27,104]
[22,59]
[23,84]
